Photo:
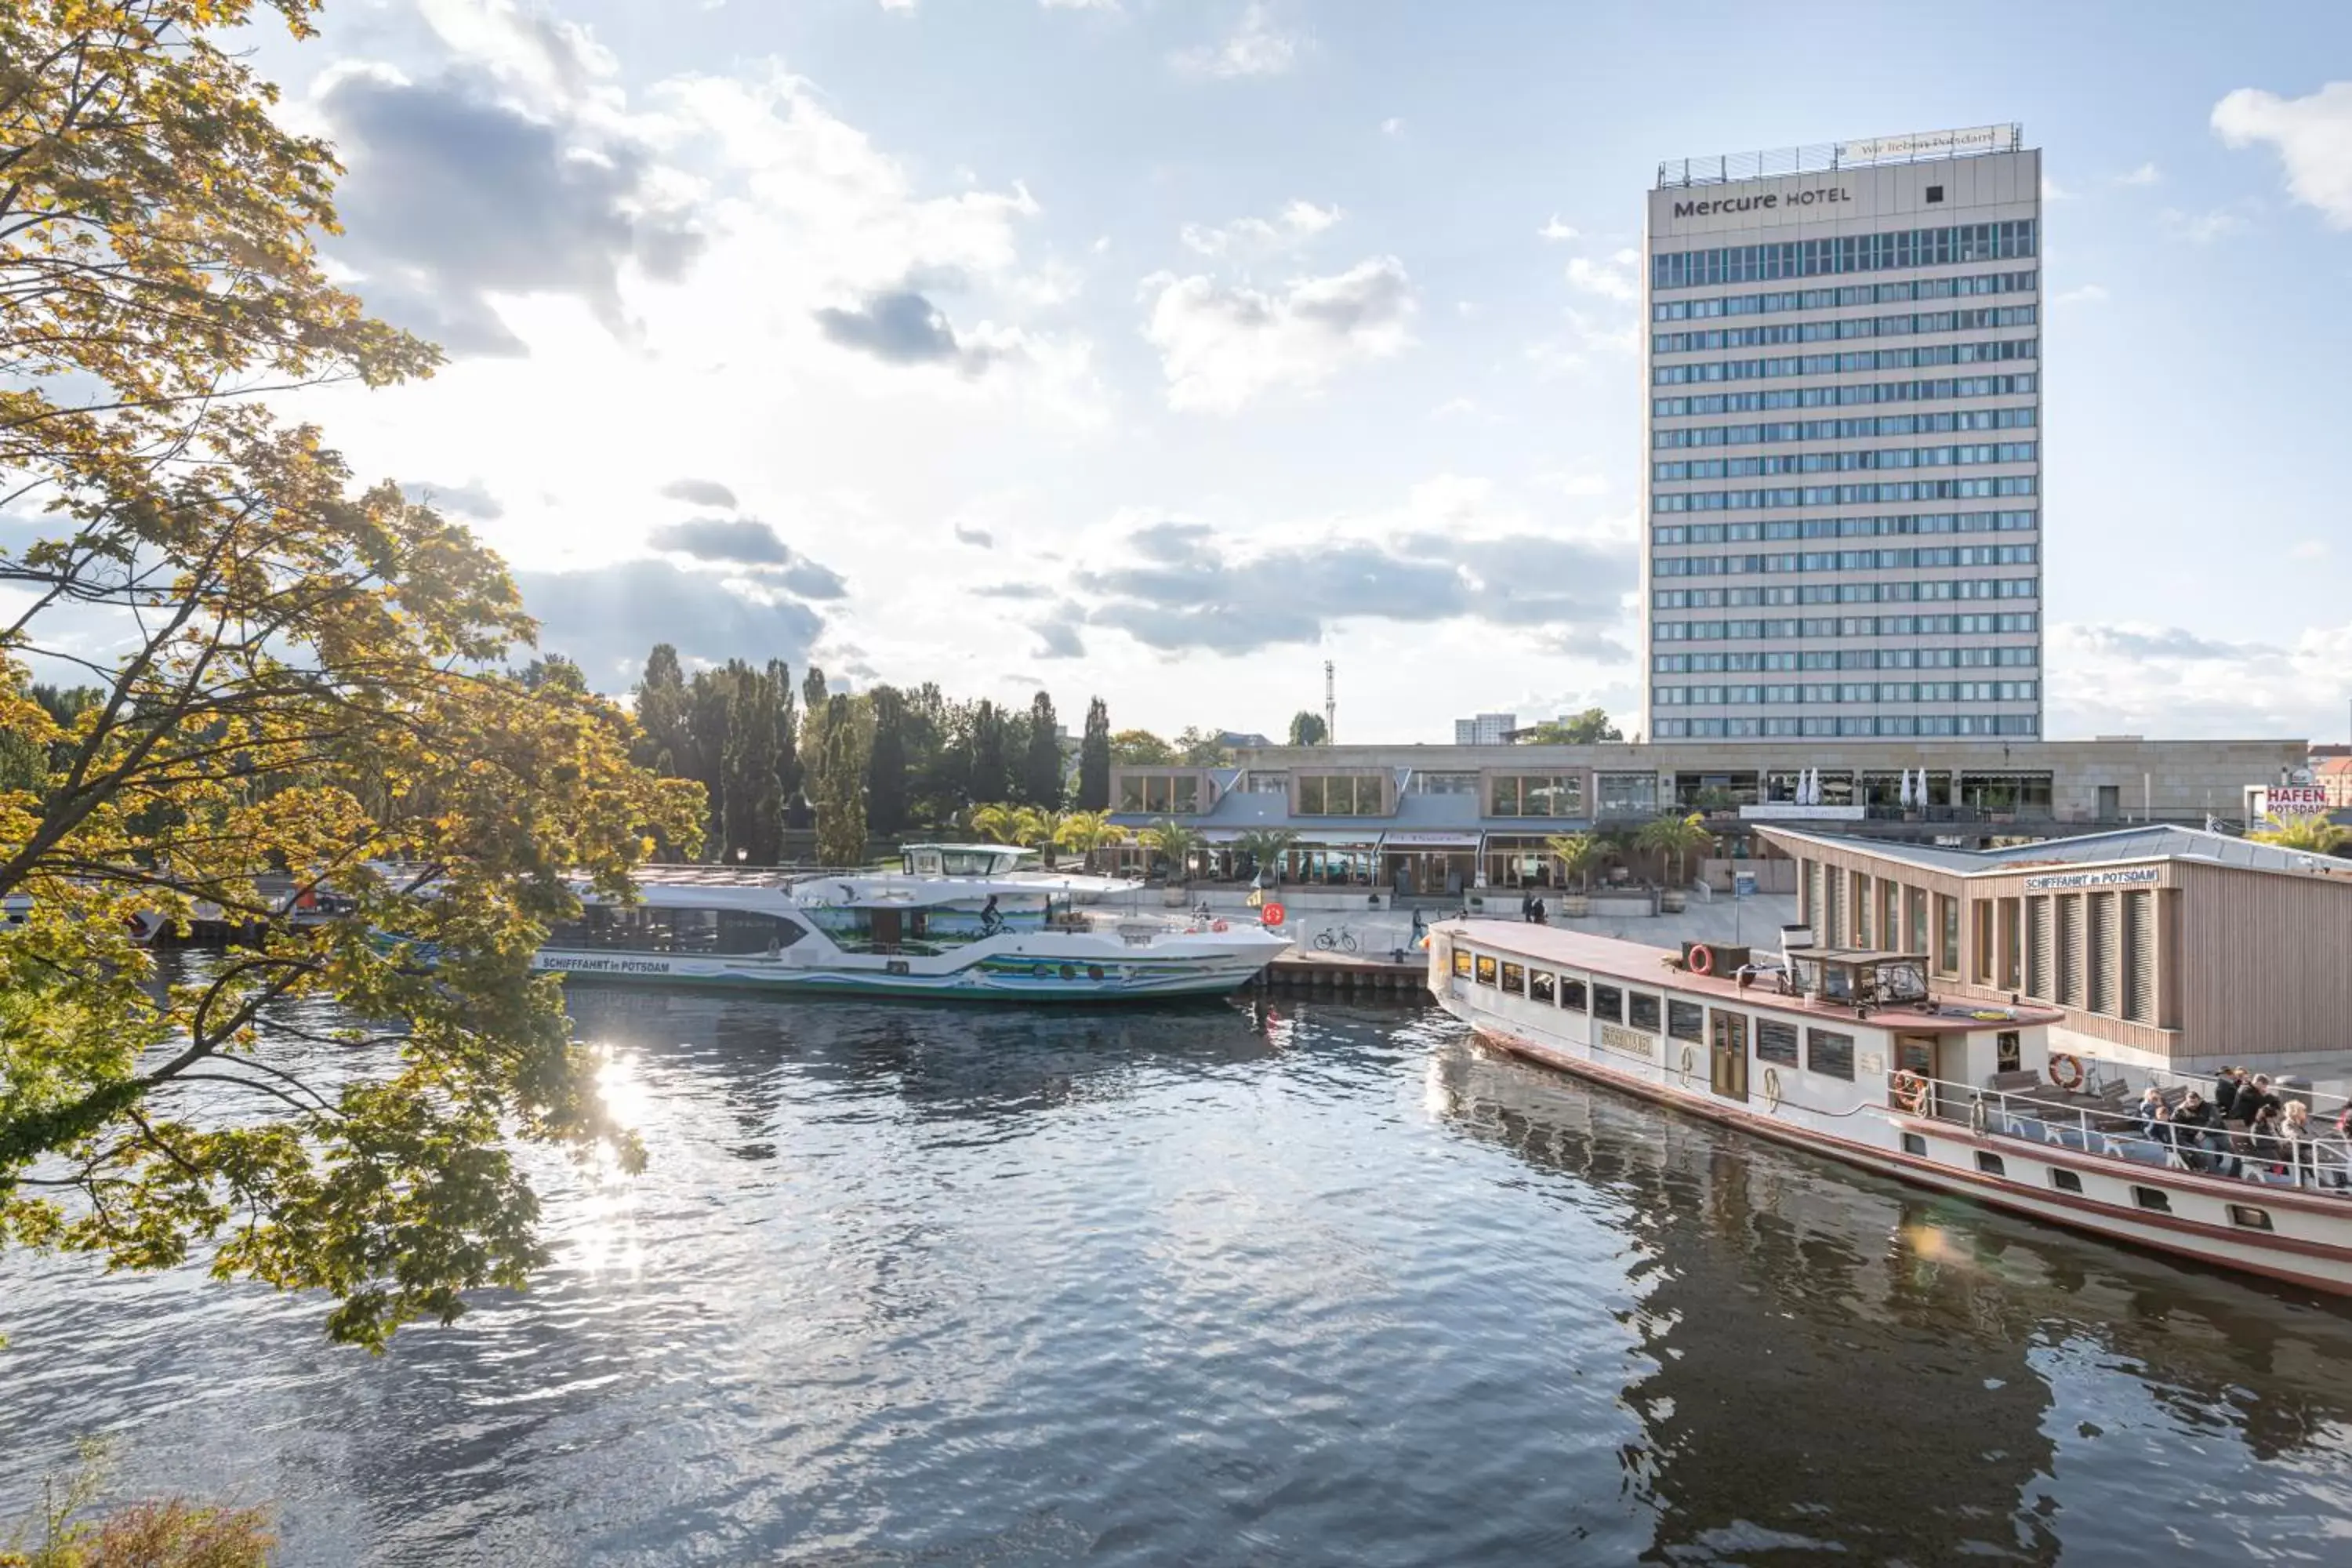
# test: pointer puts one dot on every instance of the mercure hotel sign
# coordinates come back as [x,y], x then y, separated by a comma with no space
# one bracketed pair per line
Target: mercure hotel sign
[1817,195]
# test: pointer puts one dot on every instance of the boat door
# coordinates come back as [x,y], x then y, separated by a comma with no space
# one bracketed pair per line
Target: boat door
[1727,1042]
[884,930]
[1916,1053]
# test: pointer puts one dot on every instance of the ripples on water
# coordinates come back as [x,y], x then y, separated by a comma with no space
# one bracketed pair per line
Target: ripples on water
[907,1284]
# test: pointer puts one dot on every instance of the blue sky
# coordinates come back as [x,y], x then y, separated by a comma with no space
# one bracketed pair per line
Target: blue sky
[1164,349]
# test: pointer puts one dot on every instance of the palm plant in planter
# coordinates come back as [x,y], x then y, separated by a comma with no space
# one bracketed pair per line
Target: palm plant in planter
[1675,839]
[1176,843]
[1266,847]
[1578,854]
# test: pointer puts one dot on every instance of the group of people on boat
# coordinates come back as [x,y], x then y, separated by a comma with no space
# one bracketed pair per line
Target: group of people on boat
[2249,1122]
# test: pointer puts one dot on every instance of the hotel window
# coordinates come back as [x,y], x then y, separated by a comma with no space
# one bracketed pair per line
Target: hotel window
[1685,1020]
[1641,1012]
[1543,986]
[1776,1042]
[1572,994]
[1168,794]
[1515,979]
[1485,970]
[1339,795]
[1829,1053]
[1537,794]
[1609,1004]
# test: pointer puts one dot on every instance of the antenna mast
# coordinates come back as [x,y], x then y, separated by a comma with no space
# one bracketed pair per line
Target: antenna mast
[1330,708]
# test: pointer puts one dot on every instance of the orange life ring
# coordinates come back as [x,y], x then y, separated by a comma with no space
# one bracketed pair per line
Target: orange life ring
[1271,914]
[1910,1091]
[1701,959]
[2073,1079]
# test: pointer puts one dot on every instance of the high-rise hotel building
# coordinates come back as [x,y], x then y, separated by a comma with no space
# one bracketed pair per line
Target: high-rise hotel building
[1844,491]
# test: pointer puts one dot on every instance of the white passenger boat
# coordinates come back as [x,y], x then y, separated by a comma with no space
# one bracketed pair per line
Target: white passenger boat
[954,921]
[1849,1053]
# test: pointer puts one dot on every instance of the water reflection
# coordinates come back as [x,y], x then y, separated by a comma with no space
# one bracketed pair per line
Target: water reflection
[1317,1284]
[1830,1353]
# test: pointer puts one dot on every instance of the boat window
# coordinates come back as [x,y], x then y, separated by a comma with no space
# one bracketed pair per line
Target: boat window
[1684,1020]
[1515,979]
[1485,970]
[1990,1165]
[721,933]
[2065,1181]
[2155,1199]
[1543,986]
[1829,1053]
[1642,1012]
[1776,1042]
[1461,961]
[2007,1051]
[1572,994]
[968,862]
[923,862]
[1901,981]
[2250,1217]
[1915,1145]
[1609,1003]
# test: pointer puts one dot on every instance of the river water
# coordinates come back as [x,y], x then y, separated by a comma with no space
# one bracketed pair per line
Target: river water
[1317,1284]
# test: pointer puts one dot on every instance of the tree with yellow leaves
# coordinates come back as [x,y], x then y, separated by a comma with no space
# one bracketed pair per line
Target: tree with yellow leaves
[298,698]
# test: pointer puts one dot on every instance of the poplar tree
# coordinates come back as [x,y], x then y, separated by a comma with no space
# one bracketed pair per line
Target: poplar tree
[1094,758]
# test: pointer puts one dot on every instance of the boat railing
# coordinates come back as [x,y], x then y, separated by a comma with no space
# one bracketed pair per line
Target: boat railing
[2319,1161]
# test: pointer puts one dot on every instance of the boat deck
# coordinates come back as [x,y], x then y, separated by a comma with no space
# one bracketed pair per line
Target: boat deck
[1639,964]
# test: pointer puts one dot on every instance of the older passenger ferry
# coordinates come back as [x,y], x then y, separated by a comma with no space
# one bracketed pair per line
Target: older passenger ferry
[1851,1055]
[962,921]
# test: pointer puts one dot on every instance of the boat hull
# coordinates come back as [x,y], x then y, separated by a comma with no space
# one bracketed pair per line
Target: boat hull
[2312,1252]
[995,979]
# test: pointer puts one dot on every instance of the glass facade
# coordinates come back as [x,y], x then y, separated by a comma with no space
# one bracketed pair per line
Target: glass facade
[1845,449]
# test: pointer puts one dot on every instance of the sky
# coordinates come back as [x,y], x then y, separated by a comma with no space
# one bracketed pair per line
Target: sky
[1162,349]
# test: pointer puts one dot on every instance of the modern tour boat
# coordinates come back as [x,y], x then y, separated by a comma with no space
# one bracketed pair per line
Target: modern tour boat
[954,921]
[1850,1054]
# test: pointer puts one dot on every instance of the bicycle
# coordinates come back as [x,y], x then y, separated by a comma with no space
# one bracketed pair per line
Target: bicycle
[1340,939]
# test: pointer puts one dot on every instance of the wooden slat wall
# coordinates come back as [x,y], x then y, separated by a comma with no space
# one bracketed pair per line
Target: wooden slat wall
[2265,961]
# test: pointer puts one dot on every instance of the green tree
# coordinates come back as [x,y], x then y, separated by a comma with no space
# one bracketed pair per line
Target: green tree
[1198,748]
[997,821]
[304,683]
[663,709]
[1140,749]
[1307,729]
[754,766]
[1041,769]
[785,716]
[709,715]
[2311,835]
[1582,729]
[886,769]
[1094,758]
[990,776]
[840,780]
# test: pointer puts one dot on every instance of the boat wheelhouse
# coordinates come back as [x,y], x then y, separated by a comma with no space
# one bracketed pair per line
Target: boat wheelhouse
[1853,1054]
[971,922]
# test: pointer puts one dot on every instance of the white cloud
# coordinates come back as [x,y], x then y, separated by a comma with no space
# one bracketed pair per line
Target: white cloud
[1614,278]
[1255,48]
[2312,135]
[2203,228]
[1555,230]
[2168,680]
[2053,191]
[1224,347]
[1454,408]
[1392,126]
[2310,549]
[1079,5]
[2087,294]
[2145,174]
[1253,238]
[897,4]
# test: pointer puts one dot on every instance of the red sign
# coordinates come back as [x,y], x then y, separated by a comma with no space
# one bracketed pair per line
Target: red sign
[1271,915]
